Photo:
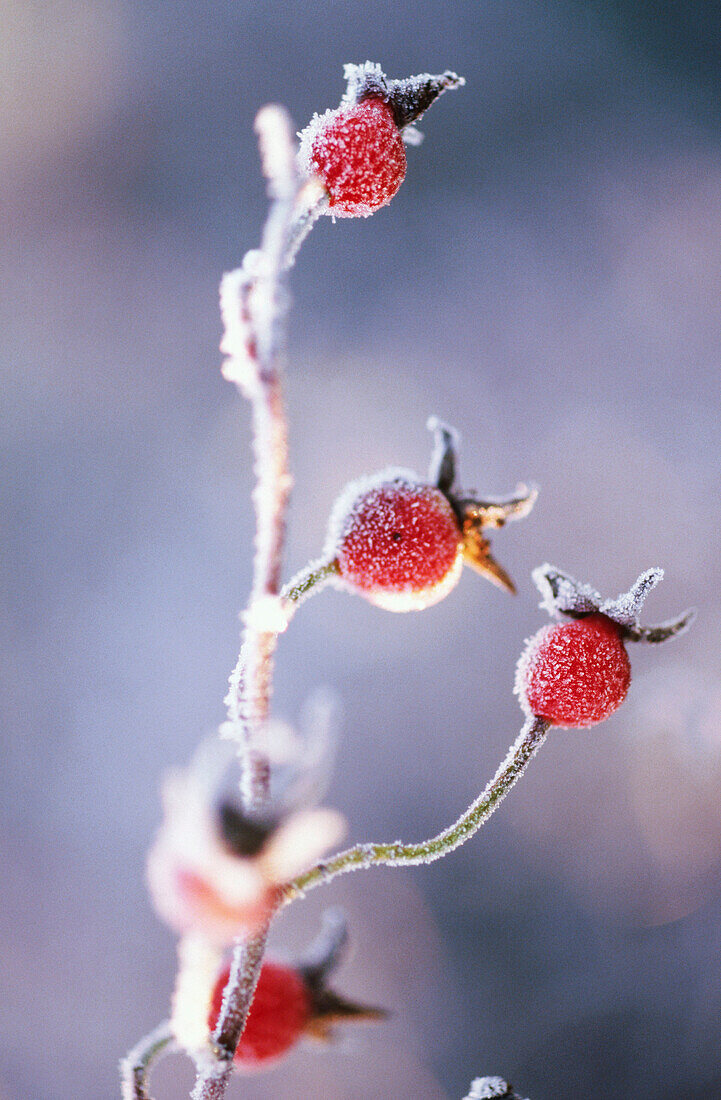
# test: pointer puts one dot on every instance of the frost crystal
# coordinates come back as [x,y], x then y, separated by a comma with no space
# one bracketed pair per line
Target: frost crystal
[267,615]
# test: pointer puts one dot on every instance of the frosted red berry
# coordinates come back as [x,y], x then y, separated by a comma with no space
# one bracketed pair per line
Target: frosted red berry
[575,673]
[396,541]
[281,1010]
[359,154]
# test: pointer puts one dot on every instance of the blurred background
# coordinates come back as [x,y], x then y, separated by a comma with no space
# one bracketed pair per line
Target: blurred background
[547,280]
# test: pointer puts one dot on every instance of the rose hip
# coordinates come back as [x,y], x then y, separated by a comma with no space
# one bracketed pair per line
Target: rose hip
[359,154]
[575,673]
[396,540]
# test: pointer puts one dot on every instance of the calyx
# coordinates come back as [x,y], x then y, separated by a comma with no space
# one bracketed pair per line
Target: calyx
[564,595]
[472,512]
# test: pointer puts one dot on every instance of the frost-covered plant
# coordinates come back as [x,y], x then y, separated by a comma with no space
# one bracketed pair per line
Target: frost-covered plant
[230,856]
[491,1088]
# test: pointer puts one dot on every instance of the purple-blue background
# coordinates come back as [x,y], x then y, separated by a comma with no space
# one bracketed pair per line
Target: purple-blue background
[547,279]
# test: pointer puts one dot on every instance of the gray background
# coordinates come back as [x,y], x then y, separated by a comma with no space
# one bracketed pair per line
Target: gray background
[547,279]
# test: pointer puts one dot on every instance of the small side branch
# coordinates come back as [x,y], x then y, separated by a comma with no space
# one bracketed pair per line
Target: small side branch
[307,582]
[397,854]
[135,1067]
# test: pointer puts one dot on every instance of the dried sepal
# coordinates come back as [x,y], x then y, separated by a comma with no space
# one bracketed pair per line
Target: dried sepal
[330,1009]
[477,554]
[496,512]
[408,98]
[474,513]
[327,950]
[563,595]
[444,457]
[316,966]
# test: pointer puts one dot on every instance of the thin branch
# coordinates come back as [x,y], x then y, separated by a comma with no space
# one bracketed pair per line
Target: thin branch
[397,854]
[214,1075]
[135,1067]
[254,304]
[315,576]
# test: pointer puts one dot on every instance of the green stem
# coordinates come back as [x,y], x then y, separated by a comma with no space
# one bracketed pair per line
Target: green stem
[309,580]
[397,854]
[136,1066]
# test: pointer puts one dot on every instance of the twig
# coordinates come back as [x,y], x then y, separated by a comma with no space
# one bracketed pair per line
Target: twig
[397,854]
[135,1067]
[253,340]
[254,305]
[315,575]
[213,1079]
[213,1076]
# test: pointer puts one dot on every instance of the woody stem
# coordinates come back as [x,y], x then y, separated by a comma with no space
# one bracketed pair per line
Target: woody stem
[261,306]
[213,1077]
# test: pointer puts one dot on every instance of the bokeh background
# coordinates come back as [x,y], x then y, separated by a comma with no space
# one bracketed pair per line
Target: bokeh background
[547,279]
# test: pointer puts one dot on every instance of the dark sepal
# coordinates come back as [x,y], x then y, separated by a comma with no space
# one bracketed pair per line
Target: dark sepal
[409,98]
[328,1009]
[444,459]
[242,835]
[563,595]
[326,951]
[491,1088]
[320,959]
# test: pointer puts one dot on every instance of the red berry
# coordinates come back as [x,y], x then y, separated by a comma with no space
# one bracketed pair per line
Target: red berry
[278,1016]
[575,673]
[396,540]
[358,152]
